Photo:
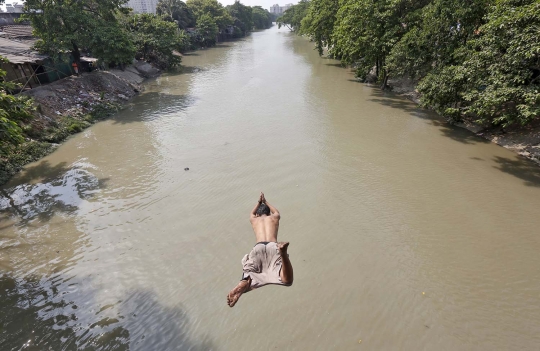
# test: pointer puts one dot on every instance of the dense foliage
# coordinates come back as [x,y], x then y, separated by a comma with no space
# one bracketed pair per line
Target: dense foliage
[319,22]
[155,40]
[75,25]
[478,59]
[108,30]
[207,31]
[242,16]
[262,19]
[207,21]
[213,9]
[497,76]
[14,112]
[292,18]
[176,11]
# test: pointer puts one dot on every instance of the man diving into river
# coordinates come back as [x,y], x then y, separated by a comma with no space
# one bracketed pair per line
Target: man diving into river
[268,261]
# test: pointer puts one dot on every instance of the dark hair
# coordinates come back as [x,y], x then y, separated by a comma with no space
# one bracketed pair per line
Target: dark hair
[263,210]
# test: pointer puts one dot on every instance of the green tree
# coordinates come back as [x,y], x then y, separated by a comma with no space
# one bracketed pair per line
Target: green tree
[75,25]
[262,19]
[177,11]
[211,8]
[498,81]
[367,30]
[242,16]
[207,29]
[435,33]
[319,22]
[15,110]
[292,18]
[155,39]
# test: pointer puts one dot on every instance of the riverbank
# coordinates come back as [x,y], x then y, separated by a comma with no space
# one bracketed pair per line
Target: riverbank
[69,106]
[523,140]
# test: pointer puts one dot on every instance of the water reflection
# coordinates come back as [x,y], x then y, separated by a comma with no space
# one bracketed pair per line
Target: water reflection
[62,189]
[44,314]
[35,315]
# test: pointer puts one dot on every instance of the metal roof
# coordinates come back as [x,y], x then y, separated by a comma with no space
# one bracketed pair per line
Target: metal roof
[17,52]
[18,31]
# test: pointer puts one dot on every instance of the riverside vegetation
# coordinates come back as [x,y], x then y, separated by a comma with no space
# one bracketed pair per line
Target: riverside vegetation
[474,60]
[116,36]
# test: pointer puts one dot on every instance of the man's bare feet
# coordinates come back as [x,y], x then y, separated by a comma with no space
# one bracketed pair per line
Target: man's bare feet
[235,293]
[282,246]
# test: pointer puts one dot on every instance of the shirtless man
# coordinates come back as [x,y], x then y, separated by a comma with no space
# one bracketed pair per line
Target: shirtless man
[268,261]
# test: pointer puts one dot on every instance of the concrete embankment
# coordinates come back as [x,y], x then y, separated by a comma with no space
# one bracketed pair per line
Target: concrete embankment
[70,105]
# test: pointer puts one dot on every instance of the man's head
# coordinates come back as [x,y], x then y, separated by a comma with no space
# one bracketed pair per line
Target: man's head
[263,210]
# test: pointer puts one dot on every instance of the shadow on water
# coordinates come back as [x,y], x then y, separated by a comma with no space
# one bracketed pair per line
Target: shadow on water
[153,105]
[521,168]
[38,314]
[335,65]
[453,132]
[524,169]
[189,70]
[61,188]
[43,171]
[458,134]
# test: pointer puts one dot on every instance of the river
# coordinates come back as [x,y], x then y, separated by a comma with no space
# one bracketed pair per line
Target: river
[406,233]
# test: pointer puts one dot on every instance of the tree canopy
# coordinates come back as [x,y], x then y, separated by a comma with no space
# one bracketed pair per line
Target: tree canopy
[213,9]
[155,40]
[262,19]
[176,11]
[72,25]
[319,22]
[498,78]
[207,30]
[242,16]
[292,18]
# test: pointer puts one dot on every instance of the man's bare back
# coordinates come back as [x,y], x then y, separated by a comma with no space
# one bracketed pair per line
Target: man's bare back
[268,261]
[265,227]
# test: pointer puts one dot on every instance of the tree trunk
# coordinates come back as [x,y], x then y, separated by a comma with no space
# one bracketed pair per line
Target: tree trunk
[377,68]
[76,54]
[385,80]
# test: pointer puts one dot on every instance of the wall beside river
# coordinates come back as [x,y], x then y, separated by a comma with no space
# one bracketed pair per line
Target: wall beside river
[70,105]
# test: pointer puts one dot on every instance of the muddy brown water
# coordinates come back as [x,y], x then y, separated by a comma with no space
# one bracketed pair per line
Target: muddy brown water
[406,233]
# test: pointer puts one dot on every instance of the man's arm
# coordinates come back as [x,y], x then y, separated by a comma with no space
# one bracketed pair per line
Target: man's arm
[253,213]
[273,211]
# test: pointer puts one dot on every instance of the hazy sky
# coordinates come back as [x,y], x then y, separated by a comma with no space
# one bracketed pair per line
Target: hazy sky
[264,3]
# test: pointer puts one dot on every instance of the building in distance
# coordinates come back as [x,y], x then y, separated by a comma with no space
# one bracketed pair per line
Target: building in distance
[278,10]
[14,8]
[142,6]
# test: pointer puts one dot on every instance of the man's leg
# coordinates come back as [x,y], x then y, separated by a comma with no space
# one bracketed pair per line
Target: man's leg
[238,290]
[286,273]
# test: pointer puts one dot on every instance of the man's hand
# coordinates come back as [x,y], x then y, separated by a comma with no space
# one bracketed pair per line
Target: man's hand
[262,200]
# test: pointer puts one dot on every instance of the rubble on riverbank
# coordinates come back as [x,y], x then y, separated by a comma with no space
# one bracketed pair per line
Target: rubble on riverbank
[70,105]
